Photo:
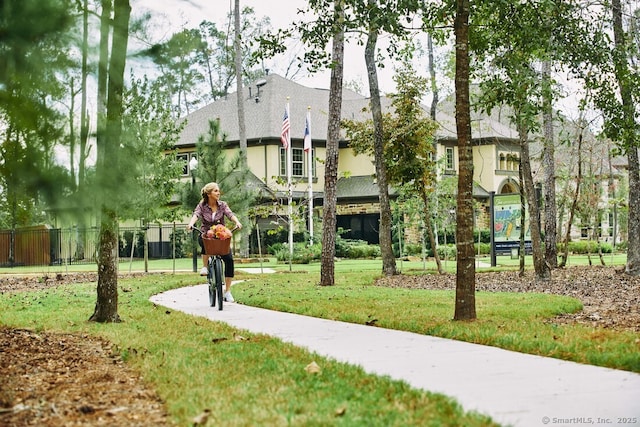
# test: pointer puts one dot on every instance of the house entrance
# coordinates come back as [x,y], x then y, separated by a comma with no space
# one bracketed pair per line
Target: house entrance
[363,227]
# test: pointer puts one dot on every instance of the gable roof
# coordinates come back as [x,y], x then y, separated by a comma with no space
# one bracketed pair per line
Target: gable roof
[264,111]
[265,100]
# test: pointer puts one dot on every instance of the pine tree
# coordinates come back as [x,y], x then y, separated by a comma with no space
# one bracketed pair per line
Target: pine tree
[215,164]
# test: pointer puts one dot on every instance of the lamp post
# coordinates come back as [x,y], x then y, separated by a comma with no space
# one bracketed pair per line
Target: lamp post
[193,165]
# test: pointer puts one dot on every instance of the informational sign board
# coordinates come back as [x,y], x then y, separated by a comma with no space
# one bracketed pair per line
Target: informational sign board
[507,213]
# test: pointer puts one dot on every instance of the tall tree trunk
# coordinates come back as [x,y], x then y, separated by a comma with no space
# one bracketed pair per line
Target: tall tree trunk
[101,141]
[574,204]
[465,308]
[523,222]
[543,272]
[633,248]
[429,226]
[432,114]
[72,133]
[242,128]
[630,141]
[106,309]
[103,78]
[84,120]
[386,247]
[432,75]
[549,177]
[612,201]
[327,269]
[83,152]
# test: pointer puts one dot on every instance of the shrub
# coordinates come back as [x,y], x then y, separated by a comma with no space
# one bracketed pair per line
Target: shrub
[585,247]
[485,236]
[449,250]
[344,246]
[485,248]
[180,243]
[275,248]
[413,249]
[363,251]
[302,253]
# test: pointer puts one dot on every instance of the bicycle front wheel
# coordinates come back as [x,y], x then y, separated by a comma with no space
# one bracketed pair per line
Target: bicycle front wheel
[212,284]
[217,268]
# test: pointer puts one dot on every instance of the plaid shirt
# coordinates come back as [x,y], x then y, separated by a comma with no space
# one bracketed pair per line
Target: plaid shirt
[209,218]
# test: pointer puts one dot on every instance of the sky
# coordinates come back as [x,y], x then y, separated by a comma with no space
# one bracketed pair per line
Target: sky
[176,14]
[173,15]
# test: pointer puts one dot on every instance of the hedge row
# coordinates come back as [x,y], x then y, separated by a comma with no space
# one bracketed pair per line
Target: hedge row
[359,249]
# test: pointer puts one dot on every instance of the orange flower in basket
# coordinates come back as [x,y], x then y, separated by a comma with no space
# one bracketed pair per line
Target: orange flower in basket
[219,232]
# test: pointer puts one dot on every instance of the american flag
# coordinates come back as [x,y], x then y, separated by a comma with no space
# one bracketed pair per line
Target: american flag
[307,133]
[286,127]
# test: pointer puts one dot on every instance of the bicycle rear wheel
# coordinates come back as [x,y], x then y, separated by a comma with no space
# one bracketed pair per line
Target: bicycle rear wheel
[212,284]
[219,280]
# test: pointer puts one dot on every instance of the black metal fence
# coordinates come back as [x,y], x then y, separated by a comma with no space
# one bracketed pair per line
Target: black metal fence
[44,245]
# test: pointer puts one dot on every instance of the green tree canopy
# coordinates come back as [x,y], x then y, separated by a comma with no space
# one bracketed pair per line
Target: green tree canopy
[215,165]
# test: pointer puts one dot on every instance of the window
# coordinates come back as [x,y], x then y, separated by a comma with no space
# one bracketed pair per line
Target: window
[584,232]
[299,163]
[508,161]
[449,159]
[184,159]
[516,162]
[611,223]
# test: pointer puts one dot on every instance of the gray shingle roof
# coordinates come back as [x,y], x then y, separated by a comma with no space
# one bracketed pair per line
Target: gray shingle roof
[357,187]
[365,186]
[264,110]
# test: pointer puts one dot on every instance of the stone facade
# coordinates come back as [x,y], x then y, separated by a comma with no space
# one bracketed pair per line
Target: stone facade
[358,208]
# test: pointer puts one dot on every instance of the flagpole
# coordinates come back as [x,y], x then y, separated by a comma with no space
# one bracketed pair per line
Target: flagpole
[309,150]
[289,189]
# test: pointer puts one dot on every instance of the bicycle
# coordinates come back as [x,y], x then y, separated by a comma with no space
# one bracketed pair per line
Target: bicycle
[215,248]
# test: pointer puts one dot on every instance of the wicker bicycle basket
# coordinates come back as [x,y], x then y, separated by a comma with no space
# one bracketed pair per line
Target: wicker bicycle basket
[216,246]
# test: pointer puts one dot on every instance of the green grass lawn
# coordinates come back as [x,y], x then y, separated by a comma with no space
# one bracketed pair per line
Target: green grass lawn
[186,264]
[196,364]
[192,362]
[513,321]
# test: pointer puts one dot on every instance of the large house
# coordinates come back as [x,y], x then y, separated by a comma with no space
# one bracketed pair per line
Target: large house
[496,149]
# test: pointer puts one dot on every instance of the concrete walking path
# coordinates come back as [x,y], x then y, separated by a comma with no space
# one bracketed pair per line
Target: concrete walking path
[513,388]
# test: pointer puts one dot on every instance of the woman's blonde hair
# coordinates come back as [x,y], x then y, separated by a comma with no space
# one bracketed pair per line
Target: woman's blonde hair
[207,189]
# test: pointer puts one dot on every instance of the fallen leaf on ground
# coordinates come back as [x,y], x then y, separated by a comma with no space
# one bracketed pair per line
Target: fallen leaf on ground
[312,368]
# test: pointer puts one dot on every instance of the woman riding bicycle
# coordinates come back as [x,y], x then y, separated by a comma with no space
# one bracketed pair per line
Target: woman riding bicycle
[212,211]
